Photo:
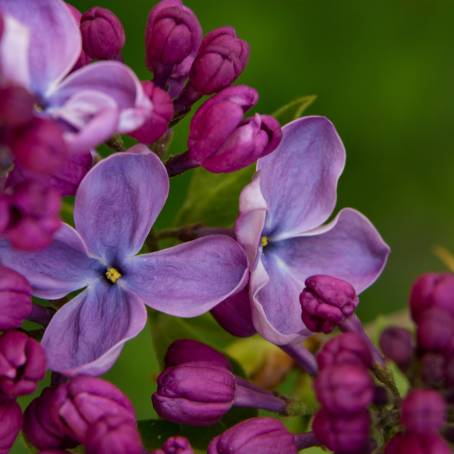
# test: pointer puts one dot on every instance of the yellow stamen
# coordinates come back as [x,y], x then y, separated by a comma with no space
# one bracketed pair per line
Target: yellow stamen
[113,275]
[264,241]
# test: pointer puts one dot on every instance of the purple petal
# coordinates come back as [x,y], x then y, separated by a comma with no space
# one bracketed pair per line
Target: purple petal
[59,269]
[87,334]
[189,279]
[299,179]
[55,37]
[114,80]
[118,201]
[248,231]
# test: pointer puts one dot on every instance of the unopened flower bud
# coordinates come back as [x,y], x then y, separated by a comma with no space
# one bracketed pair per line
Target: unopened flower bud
[409,443]
[16,106]
[433,368]
[346,348]
[22,364]
[158,122]
[15,299]
[255,435]
[175,445]
[397,344]
[11,424]
[103,35]
[327,301]
[435,331]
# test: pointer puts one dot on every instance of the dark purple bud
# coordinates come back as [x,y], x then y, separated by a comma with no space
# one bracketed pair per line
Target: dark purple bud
[435,331]
[234,314]
[255,435]
[172,39]
[346,348]
[344,389]
[11,424]
[423,411]
[408,443]
[175,445]
[113,435]
[158,122]
[188,350]
[397,344]
[433,368]
[432,290]
[22,364]
[222,57]
[103,35]
[34,216]
[327,301]
[16,106]
[343,434]
[197,394]
[15,299]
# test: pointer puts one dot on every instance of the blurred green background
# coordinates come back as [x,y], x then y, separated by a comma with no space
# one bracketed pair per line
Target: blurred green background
[383,72]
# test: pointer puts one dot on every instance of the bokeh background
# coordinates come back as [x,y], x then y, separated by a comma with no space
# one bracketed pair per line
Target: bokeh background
[383,72]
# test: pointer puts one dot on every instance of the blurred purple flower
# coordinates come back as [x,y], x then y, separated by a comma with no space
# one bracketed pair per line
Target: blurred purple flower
[11,424]
[175,445]
[116,205]
[408,443]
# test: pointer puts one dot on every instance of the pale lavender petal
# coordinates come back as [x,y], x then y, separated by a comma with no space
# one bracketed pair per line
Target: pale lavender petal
[114,80]
[248,231]
[189,279]
[299,179]
[57,270]
[251,197]
[56,41]
[87,334]
[118,201]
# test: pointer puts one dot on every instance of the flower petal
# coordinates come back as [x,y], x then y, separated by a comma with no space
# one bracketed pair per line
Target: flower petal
[59,269]
[189,279]
[248,231]
[55,35]
[87,334]
[118,201]
[114,80]
[299,179]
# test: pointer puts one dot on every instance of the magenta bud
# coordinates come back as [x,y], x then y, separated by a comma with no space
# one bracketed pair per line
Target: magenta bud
[222,57]
[175,445]
[423,411]
[435,331]
[11,424]
[22,364]
[346,348]
[432,369]
[432,290]
[113,435]
[158,122]
[343,434]
[15,299]
[408,443]
[188,350]
[255,435]
[327,301]
[397,344]
[103,35]
[16,106]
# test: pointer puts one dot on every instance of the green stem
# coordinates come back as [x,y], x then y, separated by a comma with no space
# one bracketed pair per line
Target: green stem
[116,143]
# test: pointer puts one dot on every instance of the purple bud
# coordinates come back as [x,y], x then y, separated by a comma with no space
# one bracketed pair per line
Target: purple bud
[409,443]
[222,57]
[113,435]
[16,106]
[255,435]
[175,445]
[433,369]
[15,299]
[397,344]
[327,301]
[158,122]
[11,424]
[343,434]
[234,314]
[423,411]
[103,35]
[188,350]
[346,348]
[432,290]
[22,364]
[344,389]
[197,394]
[435,331]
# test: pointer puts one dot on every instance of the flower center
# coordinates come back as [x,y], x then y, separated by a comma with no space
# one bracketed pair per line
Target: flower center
[113,275]
[264,241]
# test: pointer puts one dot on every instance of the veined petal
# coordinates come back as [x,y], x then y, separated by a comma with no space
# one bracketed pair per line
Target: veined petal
[189,279]
[87,334]
[118,201]
[55,37]
[59,269]
[299,179]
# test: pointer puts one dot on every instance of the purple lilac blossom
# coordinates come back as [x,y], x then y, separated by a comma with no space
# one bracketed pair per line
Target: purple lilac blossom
[175,445]
[408,443]
[280,226]
[115,208]
[11,423]
[397,345]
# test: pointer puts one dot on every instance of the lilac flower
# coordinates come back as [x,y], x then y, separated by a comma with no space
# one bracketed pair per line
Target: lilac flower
[116,205]
[280,225]
[40,46]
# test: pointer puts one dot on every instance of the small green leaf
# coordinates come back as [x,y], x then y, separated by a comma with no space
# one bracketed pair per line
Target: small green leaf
[294,109]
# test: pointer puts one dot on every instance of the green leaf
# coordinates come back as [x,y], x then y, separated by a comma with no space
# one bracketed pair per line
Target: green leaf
[294,109]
